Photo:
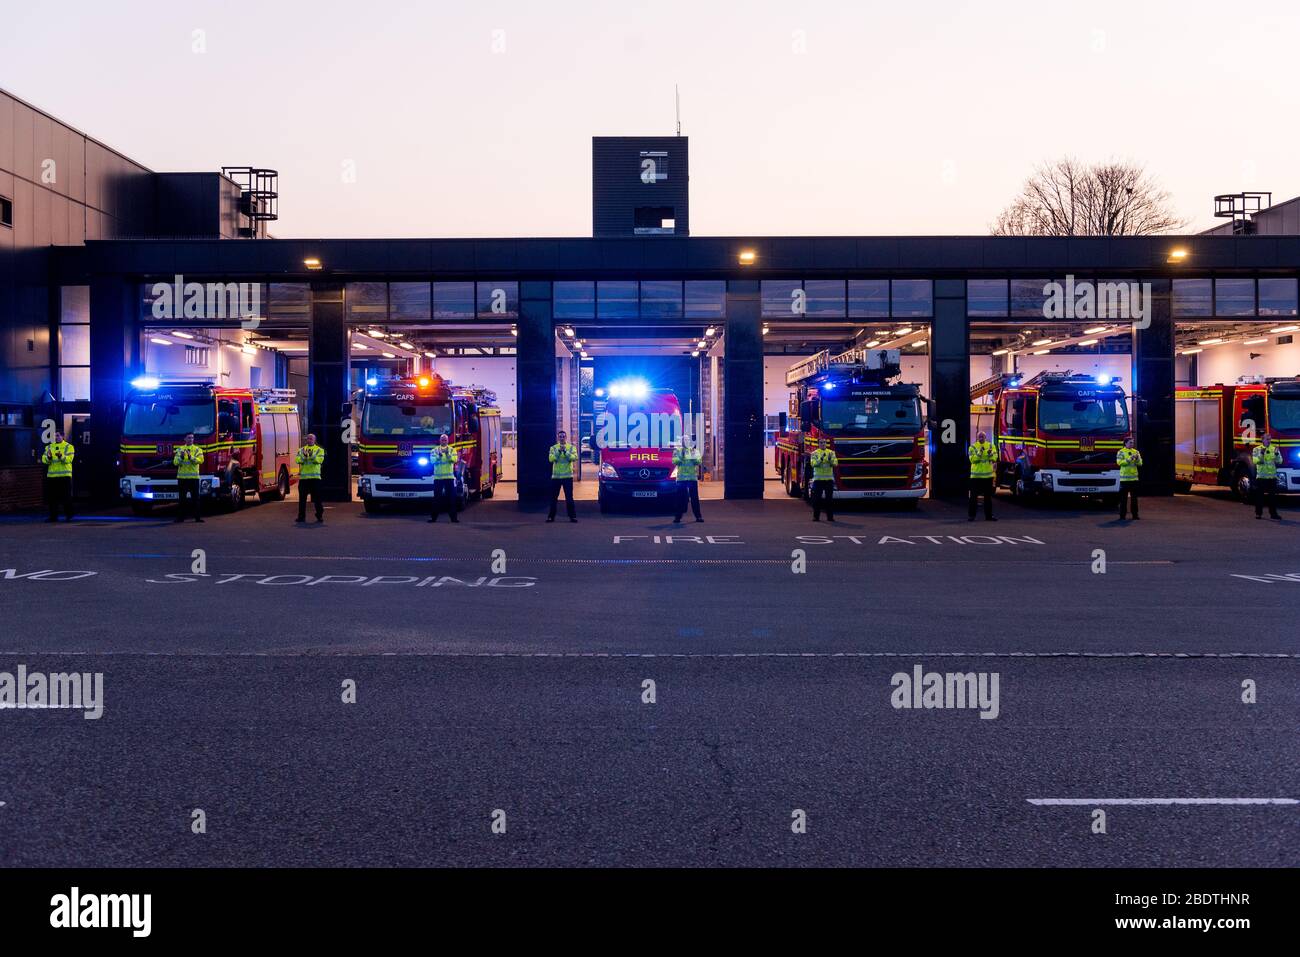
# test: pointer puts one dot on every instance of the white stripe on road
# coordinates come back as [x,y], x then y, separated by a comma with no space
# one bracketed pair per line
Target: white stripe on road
[1094,802]
[326,653]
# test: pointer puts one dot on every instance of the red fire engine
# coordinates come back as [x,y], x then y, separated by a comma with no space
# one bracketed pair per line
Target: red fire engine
[877,427]
[399,422]
[250,439]
[1215,428]
[1058,432]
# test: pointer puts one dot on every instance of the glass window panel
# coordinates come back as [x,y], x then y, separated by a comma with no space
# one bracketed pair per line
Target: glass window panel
[869,298]
[986,297]
[1027,298]
[288,299]
[912,298]
[74,384]
[74,345]
[825,297]
[574,300]
[779,299]
[706,299]
[498,300]
[1234,297]
[1277,297]
[1192,297]
[617,300]
[410,300]
[75,304]
[661,299]
[366,301]
[453,300]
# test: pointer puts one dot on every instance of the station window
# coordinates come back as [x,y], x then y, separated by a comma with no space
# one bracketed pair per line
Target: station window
[911,298]
[366,301]
[779,299]
[986,297]
[410,301]
[617,299]
[6,211]
[498,300]
[574,300]
[868,298]
[74,343]
[706,299]
[1234,297]
[1027,298]
[453,300]
[1192,297]
[825,297]
[1277,297]
[661,299]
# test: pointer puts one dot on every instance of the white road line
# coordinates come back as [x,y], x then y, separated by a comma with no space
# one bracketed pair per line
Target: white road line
[1094,802]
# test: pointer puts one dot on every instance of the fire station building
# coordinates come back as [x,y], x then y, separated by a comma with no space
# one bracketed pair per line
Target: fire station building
[89,254]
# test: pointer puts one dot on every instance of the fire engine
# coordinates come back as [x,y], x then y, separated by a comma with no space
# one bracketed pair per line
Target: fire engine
[398,423]
[1215,428]
[877,427]
[1057,432]
[250,439]
[636,434]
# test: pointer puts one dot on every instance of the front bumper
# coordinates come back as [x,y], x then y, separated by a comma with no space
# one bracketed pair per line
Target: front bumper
[638,491]
[142,488]
[1077,483]
[879,492]
[381,486]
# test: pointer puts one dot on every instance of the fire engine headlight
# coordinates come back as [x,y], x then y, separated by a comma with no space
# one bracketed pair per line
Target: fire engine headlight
[363,486]
[422,461]
[205,486]
[1047,479]
[919,472]
[125,486]
[608,471]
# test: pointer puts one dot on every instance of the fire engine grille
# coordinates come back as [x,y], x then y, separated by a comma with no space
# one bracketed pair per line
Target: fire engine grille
[1104,457]
[635,474]
[147,462]
[398,487]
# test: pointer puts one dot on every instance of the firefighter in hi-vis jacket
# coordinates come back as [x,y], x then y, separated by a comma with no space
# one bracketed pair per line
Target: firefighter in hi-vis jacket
[57,459]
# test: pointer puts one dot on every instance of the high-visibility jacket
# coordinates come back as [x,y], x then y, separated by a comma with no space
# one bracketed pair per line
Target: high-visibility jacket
[310,459]
[982,456]
[824,463]
[188,459]
[57,458]
[1266,461]
[562,458]
[688,464]
[1128,461]
[444,462]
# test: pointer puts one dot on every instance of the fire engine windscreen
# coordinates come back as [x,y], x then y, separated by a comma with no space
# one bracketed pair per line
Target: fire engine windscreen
[1284,412]
[1097,415]
[871,413]
[397,417]
[160,415]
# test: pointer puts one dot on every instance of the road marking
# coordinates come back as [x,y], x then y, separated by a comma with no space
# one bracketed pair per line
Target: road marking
[611,561]
[1095,802]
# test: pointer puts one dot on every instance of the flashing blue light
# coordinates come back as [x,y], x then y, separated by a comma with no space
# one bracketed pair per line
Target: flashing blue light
[1014,383]
[146,383]
[830,386]
[1103,379]
[629,389]
[372,382]
[422,460]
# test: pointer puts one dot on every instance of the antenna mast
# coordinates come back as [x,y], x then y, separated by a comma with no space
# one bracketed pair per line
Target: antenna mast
[677,98]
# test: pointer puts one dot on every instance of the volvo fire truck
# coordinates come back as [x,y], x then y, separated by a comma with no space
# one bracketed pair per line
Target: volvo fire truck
[877,426]
[1056,433]
[398,424]
[635,436]
[1215,428]
[250,440]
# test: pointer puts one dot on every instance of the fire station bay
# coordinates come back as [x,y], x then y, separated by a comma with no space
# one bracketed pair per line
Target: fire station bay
[140,306]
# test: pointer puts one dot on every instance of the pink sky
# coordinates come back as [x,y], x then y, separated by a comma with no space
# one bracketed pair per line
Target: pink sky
[805,118]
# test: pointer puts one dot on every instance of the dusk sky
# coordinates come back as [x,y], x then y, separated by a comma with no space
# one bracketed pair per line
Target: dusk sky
[820,118]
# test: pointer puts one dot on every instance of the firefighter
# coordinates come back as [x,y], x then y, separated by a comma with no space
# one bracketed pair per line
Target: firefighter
[1129,460]
[983,456]
[562,457]
[824,462]
[446,461]
[310,458]
[57,459]
[687,460]
[1266,458]
[188,459]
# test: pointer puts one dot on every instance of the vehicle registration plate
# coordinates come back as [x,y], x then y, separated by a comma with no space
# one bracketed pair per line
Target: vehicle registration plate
[645,494]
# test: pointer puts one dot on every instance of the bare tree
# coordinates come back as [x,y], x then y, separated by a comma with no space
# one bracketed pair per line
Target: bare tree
[1066,198]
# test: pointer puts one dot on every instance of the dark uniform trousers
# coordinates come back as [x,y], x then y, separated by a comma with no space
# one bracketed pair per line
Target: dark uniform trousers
[58,496]
[567,485]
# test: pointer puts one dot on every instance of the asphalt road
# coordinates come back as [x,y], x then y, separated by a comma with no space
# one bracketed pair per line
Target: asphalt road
[515,682]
